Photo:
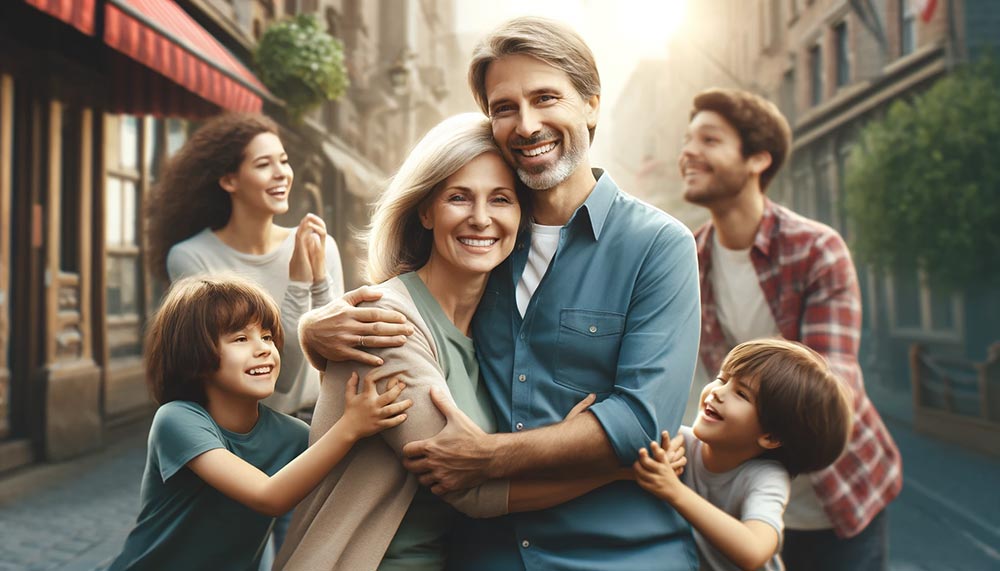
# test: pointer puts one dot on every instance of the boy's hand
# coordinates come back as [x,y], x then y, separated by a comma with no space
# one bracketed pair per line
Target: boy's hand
[654,471]
[367,413]
[675,451]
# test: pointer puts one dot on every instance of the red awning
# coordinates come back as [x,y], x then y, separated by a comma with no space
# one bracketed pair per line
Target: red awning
[164,38]
[76,13]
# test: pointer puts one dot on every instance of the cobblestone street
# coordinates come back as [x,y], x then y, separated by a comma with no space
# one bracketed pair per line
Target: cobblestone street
[73,516]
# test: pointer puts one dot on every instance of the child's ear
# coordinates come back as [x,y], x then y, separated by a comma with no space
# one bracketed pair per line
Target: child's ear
[768,442]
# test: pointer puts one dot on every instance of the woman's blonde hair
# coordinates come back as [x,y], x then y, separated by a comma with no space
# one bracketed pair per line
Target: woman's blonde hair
[397,242]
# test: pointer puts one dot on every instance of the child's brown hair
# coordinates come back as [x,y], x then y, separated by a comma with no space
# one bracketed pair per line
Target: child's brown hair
[182,342]
[799,401]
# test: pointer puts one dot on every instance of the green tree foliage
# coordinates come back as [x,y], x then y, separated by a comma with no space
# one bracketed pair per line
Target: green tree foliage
[302,64]
[923,185]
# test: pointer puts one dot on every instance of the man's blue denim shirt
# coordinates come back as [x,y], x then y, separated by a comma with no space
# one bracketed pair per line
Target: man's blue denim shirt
[616,314]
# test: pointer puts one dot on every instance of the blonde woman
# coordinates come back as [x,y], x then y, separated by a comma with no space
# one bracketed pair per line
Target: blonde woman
[449,216]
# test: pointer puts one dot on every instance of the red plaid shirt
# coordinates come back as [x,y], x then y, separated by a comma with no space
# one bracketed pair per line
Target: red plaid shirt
[808,278]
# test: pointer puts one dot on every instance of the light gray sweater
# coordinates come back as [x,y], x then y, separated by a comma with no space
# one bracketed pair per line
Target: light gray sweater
[347,522]
[204,253]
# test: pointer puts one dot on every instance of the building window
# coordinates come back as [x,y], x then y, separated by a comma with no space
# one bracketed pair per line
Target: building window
[123,286]
[843,55]
[922,311]
[815,75]
[907,27]
[786,97]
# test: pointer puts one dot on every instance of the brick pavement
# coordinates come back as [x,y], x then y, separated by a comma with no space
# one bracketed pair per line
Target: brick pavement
[74,515]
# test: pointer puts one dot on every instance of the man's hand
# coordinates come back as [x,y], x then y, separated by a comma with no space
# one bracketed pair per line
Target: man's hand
[454,459]
[339,331]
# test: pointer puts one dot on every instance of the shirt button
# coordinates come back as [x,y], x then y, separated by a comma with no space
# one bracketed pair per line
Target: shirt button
[519,426]
[525,544]
[522,378]
[593,329]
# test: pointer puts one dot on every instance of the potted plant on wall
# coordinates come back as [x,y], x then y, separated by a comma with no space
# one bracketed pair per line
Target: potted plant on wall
[302,64]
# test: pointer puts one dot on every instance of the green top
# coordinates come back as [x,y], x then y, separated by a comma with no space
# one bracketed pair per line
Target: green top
[421,541]
[186,524]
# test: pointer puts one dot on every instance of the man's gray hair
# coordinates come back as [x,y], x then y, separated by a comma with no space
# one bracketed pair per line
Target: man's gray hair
[550,41]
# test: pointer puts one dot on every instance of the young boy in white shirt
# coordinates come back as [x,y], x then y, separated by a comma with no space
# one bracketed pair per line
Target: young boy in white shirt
[775,410]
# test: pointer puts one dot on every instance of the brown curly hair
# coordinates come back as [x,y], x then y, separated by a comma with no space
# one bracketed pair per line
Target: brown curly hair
[760,124]
[187,199]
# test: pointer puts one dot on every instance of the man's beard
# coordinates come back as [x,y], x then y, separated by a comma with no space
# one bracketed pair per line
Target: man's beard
[548,177]
[724,185]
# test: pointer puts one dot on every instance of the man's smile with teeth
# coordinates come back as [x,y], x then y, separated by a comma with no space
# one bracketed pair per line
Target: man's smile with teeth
[540,150]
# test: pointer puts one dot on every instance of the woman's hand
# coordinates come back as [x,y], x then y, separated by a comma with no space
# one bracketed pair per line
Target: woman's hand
[310,246]
[316,247]
[299,268]
[367,413]
[655,470]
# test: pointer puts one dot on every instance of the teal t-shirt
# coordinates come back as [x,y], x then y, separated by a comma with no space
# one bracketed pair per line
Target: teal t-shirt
[420,543]
[186,524]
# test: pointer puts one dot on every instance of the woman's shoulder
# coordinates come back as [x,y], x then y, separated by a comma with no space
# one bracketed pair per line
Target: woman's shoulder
[395,296]
[193,243]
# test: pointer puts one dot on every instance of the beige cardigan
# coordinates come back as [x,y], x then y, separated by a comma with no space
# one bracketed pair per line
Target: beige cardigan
[347,522]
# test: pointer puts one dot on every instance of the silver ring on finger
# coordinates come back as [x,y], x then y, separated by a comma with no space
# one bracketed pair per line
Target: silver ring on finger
[363,341]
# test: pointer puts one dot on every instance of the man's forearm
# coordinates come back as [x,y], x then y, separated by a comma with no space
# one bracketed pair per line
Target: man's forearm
[574,448]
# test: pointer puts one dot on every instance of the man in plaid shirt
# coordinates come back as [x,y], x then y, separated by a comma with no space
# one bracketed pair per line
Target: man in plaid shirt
[766,272]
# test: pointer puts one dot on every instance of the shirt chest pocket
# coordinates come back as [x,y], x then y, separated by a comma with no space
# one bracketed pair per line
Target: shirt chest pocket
[587,349]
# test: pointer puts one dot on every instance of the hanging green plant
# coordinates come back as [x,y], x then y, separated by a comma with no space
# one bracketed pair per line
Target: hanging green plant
[301,63]
[923,185]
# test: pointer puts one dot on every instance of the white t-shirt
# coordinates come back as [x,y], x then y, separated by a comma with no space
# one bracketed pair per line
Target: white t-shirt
[544,242]
[297,386]
[743,311]
[755,490]
[744,314]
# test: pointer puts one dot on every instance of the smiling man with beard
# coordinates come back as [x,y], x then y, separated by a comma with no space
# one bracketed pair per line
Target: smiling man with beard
[599,297]
[768,272]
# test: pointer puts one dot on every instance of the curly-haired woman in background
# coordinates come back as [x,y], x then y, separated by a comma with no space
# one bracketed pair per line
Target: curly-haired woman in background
[213,211]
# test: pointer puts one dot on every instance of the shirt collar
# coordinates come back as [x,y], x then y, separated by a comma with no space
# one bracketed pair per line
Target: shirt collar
[598,204]
[766,231]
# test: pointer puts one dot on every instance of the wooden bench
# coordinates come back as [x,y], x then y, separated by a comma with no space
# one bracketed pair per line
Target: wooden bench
[957,400]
